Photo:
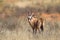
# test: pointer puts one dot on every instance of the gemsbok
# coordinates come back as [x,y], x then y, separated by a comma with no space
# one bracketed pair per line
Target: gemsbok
[35,23]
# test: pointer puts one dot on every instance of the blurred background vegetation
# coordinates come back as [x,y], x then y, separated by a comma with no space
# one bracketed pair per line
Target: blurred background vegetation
[14,26]
[45,5]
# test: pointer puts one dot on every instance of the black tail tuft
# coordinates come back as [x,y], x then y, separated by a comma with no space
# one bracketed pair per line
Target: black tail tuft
[41,27]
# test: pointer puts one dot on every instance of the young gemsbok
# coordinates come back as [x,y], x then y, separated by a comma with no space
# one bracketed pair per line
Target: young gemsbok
[35,23]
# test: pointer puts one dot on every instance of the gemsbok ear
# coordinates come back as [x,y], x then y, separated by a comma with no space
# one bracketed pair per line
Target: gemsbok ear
[29,13]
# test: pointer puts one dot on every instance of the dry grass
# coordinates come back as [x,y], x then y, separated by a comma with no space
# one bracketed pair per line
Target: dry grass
[14,24]
[22,31]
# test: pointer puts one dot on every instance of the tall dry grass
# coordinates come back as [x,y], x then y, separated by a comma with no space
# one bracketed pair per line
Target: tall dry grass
[14,25]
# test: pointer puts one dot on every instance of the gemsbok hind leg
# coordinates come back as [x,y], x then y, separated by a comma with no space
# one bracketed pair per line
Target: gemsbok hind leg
[39,30]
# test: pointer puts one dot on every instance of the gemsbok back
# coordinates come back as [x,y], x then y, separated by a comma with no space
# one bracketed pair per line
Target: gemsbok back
[35,23]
